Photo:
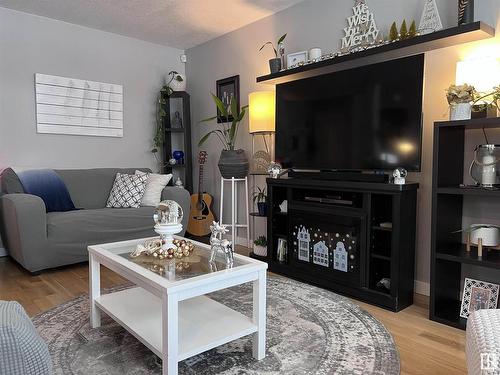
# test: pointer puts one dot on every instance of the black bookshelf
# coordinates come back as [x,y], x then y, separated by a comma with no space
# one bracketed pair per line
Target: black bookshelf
[413,46]
[450,262]
[380,251]
[178,100]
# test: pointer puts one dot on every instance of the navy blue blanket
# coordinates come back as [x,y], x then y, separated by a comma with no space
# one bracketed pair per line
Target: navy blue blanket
[48,185]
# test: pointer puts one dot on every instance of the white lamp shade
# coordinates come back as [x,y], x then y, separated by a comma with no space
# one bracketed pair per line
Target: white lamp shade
[483,73]
[261,107]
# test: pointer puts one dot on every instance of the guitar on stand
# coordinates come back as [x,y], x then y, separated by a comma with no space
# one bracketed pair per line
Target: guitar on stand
[201,215]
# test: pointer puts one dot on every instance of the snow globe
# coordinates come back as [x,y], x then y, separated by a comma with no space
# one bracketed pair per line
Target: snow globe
[168,217]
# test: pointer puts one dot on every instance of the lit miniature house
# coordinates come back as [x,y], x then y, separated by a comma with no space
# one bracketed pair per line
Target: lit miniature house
[320,254]
[304,239]
[340,257]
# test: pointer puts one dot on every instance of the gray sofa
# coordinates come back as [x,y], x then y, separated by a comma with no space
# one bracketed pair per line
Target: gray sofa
[38,240]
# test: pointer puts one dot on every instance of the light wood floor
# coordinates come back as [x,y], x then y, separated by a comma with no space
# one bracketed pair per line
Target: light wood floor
[425,347]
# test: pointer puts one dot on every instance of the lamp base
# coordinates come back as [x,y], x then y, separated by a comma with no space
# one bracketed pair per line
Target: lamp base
[166,233]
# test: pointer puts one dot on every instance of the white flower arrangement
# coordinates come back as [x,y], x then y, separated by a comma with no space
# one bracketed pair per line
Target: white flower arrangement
[457,94]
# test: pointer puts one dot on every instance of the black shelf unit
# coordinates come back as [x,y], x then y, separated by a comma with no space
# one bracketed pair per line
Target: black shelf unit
[178,138]
[380,252]
[440,39]
[450,262]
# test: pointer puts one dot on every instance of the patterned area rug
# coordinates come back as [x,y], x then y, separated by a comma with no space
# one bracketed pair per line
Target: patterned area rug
[309,331]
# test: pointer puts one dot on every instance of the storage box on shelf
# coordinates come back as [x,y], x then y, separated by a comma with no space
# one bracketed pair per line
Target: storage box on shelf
[450,260]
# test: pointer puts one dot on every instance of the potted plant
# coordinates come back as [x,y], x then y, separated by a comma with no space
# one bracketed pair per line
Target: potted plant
[488,233]
[260,197]
[260,246]
[176,82]
[232,163]
[488,104]
[275,63]
[460,99]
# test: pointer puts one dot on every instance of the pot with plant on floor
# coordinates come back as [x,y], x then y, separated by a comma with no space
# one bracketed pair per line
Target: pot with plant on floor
[260,197]
[260,246]
[275,63]
[233,162]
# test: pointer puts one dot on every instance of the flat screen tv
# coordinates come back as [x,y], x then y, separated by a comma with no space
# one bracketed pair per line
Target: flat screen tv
[366,118]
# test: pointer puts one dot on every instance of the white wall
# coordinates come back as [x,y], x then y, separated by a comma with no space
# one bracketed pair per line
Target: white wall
[320,23]
[31,44]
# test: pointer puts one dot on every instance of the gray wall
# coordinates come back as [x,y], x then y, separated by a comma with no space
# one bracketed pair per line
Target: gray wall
[32,44]
[320,23]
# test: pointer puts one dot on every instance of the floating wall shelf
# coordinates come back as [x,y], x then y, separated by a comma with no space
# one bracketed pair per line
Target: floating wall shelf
[452,36]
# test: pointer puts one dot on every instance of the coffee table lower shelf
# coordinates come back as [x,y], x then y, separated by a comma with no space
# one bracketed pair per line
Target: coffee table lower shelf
[203,323]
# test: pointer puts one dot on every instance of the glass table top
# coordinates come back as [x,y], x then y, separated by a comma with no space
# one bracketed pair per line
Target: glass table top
[197,264]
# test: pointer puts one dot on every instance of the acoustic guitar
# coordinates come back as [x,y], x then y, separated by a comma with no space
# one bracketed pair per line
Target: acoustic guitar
[201,215]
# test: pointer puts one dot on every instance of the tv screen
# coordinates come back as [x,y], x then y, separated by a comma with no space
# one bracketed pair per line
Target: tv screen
[366,118]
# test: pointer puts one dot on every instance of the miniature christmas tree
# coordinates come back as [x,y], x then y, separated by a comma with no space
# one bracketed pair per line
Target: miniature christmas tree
[393,33]
[403,31]
[412,32]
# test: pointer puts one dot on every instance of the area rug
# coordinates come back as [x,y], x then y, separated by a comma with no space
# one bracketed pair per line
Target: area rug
[309,331]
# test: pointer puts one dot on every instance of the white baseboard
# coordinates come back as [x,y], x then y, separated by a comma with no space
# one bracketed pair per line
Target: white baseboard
[3,252]
[422,288]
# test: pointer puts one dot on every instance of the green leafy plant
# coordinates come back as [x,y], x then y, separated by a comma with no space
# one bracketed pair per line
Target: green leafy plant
[280,40]
[230,121]
[161,113]
[393,33]
[173,76]
[491,98]
[403,30]
[259,195]
[260,241]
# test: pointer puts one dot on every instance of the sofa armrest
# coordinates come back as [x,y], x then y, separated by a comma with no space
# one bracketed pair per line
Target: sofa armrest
[24,227]
[182,197]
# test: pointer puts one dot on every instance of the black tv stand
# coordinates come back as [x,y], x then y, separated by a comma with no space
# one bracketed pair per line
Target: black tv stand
[341,175]
[345,236]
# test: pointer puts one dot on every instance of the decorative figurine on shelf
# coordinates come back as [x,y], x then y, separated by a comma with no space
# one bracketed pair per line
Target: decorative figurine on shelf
[177,121]
[178,183]
[361,30]
[275,170]
[217,243]
[384,283]
[178,156]
[399,175]
[172,161]
[168,217]
[430,20]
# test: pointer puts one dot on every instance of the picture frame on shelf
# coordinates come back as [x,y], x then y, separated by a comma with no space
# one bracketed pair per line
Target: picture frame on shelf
[296,59]
[478,295]
[226,89]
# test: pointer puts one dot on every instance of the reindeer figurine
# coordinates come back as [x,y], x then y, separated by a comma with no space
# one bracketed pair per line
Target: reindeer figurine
[217,243]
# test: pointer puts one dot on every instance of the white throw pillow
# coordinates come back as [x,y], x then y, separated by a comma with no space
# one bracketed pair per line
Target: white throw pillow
[154,186]
[127,191]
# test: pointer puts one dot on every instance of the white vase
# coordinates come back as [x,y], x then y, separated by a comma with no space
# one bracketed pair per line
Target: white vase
[460,111]
[178,85]
[489,236]
[260,250]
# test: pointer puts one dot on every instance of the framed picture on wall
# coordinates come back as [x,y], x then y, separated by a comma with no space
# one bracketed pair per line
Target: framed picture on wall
[478,295]
[227,89]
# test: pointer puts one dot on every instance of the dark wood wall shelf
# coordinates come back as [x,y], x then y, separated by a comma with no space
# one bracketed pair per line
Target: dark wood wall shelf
[450,262]
[440,39]
[377,253]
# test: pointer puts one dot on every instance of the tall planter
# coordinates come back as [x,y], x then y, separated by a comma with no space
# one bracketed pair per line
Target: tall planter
[233,163]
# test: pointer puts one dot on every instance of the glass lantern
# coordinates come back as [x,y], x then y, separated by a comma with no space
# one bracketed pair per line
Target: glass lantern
[483,168]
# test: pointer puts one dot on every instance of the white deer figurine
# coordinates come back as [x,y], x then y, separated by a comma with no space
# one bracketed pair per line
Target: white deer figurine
[217,243]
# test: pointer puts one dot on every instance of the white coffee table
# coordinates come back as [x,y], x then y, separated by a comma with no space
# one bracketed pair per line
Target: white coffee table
[168,310]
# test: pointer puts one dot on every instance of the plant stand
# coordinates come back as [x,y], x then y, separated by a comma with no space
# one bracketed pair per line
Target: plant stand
[234,207]
[479,246]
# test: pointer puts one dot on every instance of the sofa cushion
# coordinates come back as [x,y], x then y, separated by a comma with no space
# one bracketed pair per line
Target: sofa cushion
[98,226]
[22,350]
[89,188]
[127,191]
[154,187]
